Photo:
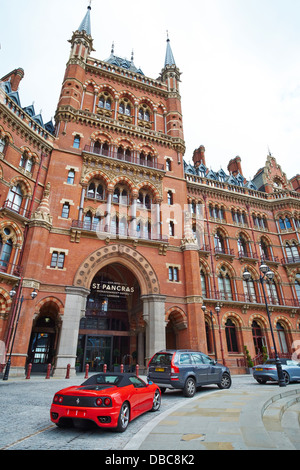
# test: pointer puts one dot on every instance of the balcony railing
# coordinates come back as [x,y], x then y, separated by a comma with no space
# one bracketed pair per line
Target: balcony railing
[10,268]
[247,298]
[126,158]
[118,232]
[16,208]
[224,251]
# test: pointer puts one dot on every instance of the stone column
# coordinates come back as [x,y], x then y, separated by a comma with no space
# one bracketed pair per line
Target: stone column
[74,311]
[154,316]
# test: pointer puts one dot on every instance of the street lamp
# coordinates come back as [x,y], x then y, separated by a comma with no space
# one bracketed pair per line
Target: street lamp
[267,274]
[217,310]
[20,300]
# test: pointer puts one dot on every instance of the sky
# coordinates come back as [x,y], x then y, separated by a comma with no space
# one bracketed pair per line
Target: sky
[239,59]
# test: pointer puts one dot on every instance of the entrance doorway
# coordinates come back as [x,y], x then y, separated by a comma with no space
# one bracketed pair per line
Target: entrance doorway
[42,344]
[107,331]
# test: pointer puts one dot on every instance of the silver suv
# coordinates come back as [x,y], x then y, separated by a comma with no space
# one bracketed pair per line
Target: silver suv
[186,369]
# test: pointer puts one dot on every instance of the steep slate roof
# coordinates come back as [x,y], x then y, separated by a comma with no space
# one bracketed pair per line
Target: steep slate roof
[85,25]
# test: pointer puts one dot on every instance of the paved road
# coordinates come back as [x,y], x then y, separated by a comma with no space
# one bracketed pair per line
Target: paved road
[26,425]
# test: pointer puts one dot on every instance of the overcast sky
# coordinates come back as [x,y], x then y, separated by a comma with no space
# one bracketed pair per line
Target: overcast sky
[239,61]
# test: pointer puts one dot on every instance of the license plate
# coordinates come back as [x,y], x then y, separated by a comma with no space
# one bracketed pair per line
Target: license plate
[258,369]
[76,413]
[159,369]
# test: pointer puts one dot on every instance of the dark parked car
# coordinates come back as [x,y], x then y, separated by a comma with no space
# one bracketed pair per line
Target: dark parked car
[186,370]
[267,372]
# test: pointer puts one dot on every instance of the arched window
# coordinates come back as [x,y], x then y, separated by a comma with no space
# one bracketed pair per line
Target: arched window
[282,338]
[249,290]
[5,252]
[26,162]
[219,242]
[265,250]
[258,337]
[3,143]
[284,223]
[272,293]
[224,283]
[105,102]
[292,253]
[231,336]
[204,289]
[297,286]
[243,246]
[87,223]
[15,198]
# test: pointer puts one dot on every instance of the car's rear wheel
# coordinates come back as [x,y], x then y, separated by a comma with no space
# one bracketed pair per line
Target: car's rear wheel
[189,387]
[225,381]
[156,401]
[124,416]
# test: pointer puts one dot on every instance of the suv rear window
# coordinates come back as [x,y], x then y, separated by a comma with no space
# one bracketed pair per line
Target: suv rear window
[162,359]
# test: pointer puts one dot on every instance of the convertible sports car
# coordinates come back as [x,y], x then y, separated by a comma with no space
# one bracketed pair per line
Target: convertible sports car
[111,400]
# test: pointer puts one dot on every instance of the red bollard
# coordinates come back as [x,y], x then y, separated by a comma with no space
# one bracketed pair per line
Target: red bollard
[105,368]
[68,371]
[122,368]
[29,371]
[86,371]
[137,367]
[48,371]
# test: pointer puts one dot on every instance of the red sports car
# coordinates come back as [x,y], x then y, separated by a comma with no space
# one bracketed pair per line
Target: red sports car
[111,400]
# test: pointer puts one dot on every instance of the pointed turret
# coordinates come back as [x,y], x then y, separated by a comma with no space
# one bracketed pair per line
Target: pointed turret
[82,42]
[169,60]
[170,75]
[85,25]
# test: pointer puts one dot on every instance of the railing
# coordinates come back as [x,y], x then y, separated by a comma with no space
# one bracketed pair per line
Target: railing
[224,251]
[246,298]
[117,232]
[16,208]
[126,158]
[10,268]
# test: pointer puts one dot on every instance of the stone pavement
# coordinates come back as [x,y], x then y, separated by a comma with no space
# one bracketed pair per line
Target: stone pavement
[266,417]
[248,416]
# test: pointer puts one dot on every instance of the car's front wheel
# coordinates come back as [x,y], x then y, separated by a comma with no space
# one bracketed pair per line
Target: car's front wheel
[225,381]
[189,389]
[156,401]
[286,377]
[124,416]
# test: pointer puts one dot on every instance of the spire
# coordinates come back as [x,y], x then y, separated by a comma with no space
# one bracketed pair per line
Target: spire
[169,60]
[86,22]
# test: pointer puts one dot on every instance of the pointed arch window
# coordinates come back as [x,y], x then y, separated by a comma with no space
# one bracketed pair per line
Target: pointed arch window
[231,336]
[203,278]
[292,254]
[282,338]
[15,198]
[5,252]
[249,290]
[219,242]
[224,283]
[297,286]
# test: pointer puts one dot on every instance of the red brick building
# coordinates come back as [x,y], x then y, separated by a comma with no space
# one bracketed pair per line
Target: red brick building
[123,241]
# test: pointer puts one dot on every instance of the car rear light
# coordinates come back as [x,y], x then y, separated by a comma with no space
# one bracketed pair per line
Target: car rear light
[103,401]
[174,369]
[270,368]
[58,399]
